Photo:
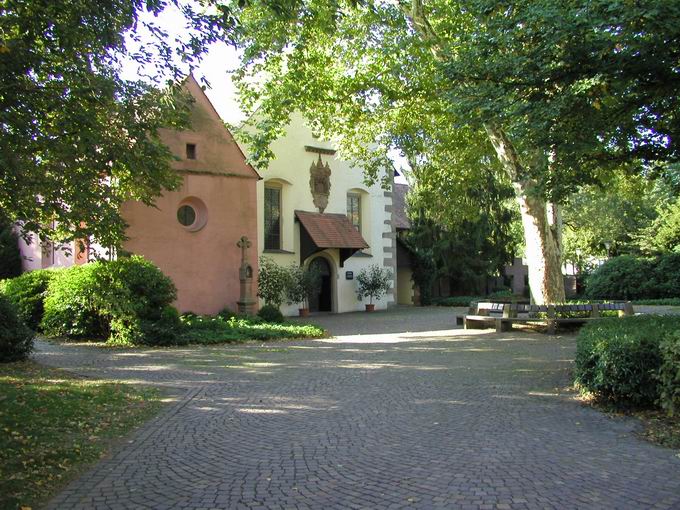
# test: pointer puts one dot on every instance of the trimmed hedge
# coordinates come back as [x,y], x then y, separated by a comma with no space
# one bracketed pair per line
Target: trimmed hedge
[635,278]
[28,293]
[669,373]
[623,277]
[126,301]
[16,339]
[621,360]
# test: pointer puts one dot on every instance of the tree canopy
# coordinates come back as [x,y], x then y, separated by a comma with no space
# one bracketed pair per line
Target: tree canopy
[77,139]
[551,93]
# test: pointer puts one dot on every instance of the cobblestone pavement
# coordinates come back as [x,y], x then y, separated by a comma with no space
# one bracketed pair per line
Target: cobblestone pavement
[445,419]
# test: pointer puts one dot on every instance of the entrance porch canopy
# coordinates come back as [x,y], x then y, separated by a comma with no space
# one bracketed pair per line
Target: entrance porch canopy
[322,231]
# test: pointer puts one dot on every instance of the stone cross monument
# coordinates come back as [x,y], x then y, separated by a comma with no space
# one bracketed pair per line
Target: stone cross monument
[246,303]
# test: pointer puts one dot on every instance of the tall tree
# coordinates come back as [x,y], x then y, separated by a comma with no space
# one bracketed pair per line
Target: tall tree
[608,220]
[465,250]
[556,92]
[76,139]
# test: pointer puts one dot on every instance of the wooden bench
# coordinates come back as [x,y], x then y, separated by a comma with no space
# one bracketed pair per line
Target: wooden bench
[503,315]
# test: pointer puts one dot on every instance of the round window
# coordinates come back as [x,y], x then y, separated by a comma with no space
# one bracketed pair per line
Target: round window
[186,215]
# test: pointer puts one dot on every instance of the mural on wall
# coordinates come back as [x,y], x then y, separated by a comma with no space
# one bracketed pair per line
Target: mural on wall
[320,183]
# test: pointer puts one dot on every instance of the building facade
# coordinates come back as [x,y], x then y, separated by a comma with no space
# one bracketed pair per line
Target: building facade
[192,233]
[315,209]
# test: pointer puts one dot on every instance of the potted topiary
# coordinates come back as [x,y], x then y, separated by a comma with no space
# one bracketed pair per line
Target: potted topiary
[302,283]
[373,282]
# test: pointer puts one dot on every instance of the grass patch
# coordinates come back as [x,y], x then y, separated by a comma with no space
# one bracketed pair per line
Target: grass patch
[53,424]
[212,330]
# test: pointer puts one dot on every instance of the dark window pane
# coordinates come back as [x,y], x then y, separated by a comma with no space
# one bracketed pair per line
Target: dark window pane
[272,219]
[191,151]
[186,215]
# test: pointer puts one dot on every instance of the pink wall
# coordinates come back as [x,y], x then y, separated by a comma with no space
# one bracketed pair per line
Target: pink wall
[203,262]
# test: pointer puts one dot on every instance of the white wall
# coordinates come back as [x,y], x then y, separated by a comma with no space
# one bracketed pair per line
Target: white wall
[290,170]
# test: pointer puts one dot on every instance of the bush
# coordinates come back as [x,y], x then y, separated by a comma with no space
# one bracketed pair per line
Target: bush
[166,330]
[28,293]
[16,339]
[226,313]
[126,301]
[72,306]
[619,359]
[669,374]
[666,282]
[457,300]
[269,313]
[623,277]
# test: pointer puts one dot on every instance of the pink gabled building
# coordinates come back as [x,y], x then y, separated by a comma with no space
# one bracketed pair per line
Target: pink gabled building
[191,234]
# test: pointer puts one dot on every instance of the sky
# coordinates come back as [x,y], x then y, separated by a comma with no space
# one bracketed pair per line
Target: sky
[216,67]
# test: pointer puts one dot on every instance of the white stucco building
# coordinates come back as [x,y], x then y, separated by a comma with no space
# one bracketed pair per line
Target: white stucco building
[314,208]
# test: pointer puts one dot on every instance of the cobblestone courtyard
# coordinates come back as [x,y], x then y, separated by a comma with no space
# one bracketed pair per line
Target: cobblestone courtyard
[432,419]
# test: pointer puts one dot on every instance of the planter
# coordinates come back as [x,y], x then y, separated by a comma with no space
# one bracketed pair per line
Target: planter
[370,308]
[304,312]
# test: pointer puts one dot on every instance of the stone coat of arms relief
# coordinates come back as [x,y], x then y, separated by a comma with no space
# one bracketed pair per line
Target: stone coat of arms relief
[320,183]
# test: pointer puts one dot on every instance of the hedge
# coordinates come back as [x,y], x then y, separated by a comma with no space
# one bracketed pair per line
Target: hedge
[27,292]
[631,361]
[16,339]
[636,278]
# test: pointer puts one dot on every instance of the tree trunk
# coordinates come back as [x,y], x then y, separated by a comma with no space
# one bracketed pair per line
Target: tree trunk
[540,222]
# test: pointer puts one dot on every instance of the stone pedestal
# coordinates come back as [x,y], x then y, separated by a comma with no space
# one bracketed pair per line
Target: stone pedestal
[246,303]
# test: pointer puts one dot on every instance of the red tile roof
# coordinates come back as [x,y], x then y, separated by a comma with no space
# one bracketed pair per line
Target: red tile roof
[331,230]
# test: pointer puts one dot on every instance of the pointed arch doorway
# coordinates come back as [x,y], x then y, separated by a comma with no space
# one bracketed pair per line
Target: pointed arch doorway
[323,301]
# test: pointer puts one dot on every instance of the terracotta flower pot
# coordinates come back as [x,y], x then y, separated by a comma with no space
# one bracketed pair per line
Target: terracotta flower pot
[304,312]
[370,308]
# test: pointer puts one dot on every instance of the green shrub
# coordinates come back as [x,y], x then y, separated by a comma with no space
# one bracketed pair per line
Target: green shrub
[226,313]
[16,339]
[72,305]
[28,293]
[269,313]
[125,301]
[666,281]
[166,330]
[669,373]
[619,359]
[623,277]
[457,300]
